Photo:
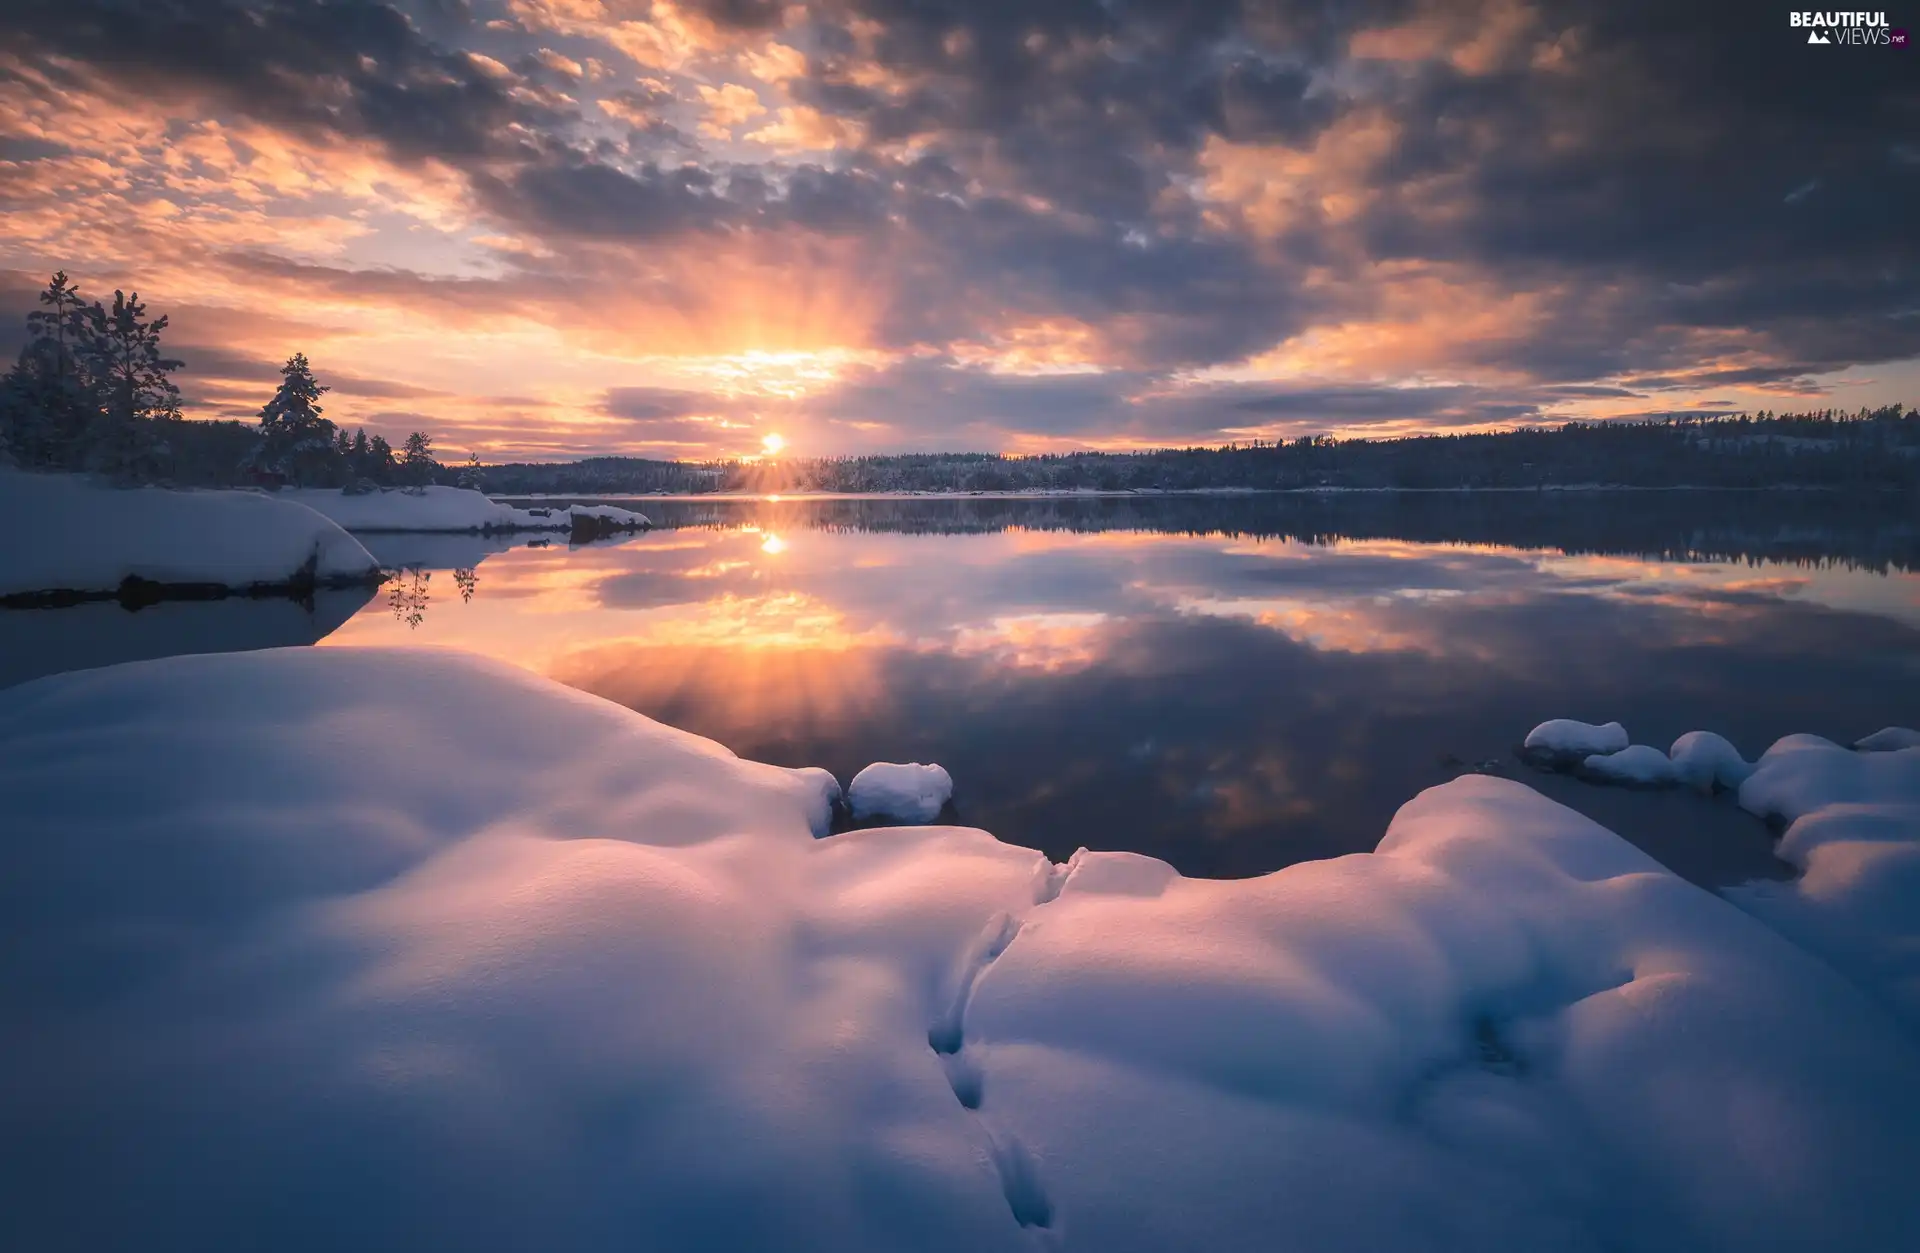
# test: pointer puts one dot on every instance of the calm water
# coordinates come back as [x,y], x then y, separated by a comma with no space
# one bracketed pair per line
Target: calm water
[1231,685]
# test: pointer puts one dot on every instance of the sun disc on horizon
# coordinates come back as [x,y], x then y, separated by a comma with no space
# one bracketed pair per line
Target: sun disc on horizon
[772,444]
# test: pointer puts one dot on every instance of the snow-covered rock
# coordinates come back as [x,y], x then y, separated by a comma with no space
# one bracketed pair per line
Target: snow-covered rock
[371,948]
[1640,764]
[910,792]
[451,509]
[1888,739]
[64,532]
[1853,829]
[1703,760]
[824,800]
[1563,741]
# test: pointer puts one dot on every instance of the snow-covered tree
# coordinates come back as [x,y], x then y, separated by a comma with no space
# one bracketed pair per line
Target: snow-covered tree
[471,475]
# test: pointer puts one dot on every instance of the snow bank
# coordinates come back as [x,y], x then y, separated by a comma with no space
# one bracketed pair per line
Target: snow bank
[912,793]
[452,957]
[1640,764]
[1888,739]
[1703,760]
[451,509]
[66,533]
[1564,740]
[1853,828]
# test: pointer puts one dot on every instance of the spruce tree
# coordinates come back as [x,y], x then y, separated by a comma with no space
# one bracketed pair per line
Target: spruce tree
[380,463]
[295,440]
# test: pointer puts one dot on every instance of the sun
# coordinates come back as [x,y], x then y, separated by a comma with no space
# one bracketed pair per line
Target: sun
[772,444]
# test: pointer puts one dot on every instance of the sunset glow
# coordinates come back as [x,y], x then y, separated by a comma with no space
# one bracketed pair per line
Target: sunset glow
[601,227]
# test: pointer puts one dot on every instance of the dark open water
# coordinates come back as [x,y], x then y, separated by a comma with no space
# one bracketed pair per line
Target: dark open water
[1230,684]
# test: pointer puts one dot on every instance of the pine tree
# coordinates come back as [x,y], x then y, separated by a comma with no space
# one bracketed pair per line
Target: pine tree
[120,348]
[295,441]
[125,350]
[471,475]
[417,465]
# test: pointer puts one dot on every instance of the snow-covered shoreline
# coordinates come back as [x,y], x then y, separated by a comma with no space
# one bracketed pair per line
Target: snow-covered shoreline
[456,509]
[74,539]
[453,956]
[71,539]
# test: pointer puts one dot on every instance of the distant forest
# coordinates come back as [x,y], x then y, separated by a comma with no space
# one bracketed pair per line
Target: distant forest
[1868,449]
[93,391]
[1877,531]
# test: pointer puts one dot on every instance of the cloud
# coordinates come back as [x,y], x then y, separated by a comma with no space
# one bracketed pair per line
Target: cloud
[1218,217]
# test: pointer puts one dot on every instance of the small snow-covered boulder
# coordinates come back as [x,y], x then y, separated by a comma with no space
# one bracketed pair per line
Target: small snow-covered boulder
[823,798]
[1641,764]
[1703,760]
[1888,740]
[908,793]
[1564,742]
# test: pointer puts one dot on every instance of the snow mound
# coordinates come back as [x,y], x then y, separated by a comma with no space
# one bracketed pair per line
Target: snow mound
[909,793]
[824,798]
[1568,740]
[451,509]
[1888,739]
[1640,764]
[453,957]
[67,533]
[1853,829]
[1703,760]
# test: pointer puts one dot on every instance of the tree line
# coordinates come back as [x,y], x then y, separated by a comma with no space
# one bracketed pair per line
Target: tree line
[93,392]
[1866,449]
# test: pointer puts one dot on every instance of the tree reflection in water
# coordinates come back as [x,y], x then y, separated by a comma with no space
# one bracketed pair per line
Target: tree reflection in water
[409,591]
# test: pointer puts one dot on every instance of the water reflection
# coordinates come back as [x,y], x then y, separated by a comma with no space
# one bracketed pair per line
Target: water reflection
[35,642]
[1229,701]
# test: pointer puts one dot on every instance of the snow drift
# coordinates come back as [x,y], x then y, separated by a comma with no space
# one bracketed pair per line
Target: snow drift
[371,948]
[68,533]
[1852,826]
[1640,764]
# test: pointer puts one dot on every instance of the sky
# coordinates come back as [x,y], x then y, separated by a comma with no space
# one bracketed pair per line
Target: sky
[548,229]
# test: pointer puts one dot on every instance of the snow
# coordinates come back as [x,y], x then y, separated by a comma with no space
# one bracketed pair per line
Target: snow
[453,957]
[909,793]
[68,533]
[1564,737]
[1853,829]
[823,800]
[447,509]
[1887,739]
[1639,764]
[1703,760]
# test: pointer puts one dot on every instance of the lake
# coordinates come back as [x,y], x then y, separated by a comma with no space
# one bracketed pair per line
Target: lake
[1232,684]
